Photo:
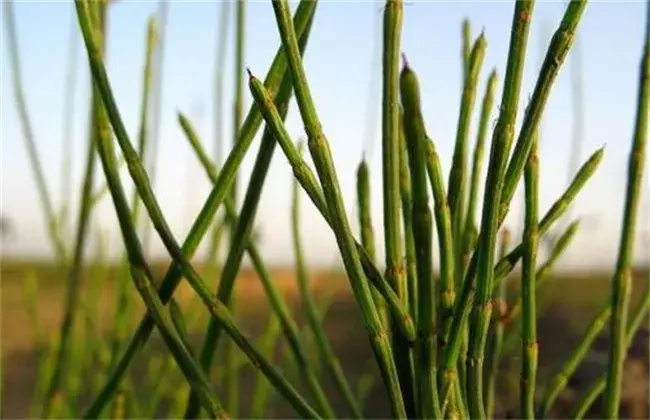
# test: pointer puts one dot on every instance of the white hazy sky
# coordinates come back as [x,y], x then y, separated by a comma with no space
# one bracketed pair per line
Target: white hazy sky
[342,64]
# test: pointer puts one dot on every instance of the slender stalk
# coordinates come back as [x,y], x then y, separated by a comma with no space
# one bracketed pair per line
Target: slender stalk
[73,285]
[494,355]
[220,63]
[622,281]
[445,239]
[471,229]
[597,388]
[243,228]
[457,192]
[139,268]
[156,100]
[501,142]
[216,307]
[261,391]
[278,304]
[54,234]
[530,348]
[416,139]
[557,51]
[202,223]
[366,228]
[554,57]
[232,384]
[321,155]
[407,206]
[542,274]
[507,264]
[123,302]
[395,271]
[324,347]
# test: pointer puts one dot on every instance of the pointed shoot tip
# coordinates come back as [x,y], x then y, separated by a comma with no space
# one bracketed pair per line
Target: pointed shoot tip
[406,62]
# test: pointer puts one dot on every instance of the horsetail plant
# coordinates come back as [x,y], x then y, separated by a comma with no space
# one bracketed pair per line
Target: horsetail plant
[319,149]
[496,343]
[172,277]
[622,280]
[530,347]
[74,274]
[240,27]
[140,270]
[123,303]
[416,137]
[457,192]
[215,306]
[365,224]
[428,330]
[53,230]
[407,205]
[501,144]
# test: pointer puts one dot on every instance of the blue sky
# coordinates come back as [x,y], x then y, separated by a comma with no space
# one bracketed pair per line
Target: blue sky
[341,63]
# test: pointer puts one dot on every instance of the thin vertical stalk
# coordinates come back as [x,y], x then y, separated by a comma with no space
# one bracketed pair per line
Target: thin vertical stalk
[319,149]
[232,383]
[416,138]
[407,206]
[366,228]
[395,271]
[498,324]
[123,302]
[622,281]
[471,229]
[219,71]
[501,141]
[138,175]
[529,331]
[73,286]
[203,221]
[156,100]
[141,272]
[58,245]
[542,274]
[557,51]
[321,154]
[457,192]
[243,228]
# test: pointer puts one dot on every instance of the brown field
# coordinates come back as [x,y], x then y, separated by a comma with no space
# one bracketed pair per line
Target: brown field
[568,303]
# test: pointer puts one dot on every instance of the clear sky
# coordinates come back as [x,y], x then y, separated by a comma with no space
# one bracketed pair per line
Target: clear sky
[342,66]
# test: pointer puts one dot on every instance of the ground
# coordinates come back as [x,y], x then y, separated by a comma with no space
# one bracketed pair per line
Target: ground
[568,303]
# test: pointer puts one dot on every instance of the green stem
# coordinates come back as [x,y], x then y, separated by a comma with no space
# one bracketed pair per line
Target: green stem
[74,283]
[457,192]
[30,143]
[416,139]
[239,240]
[494,355]
[530,348]
[204,220]
[622,281]
[321,155]
[395,271]
[140,270]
